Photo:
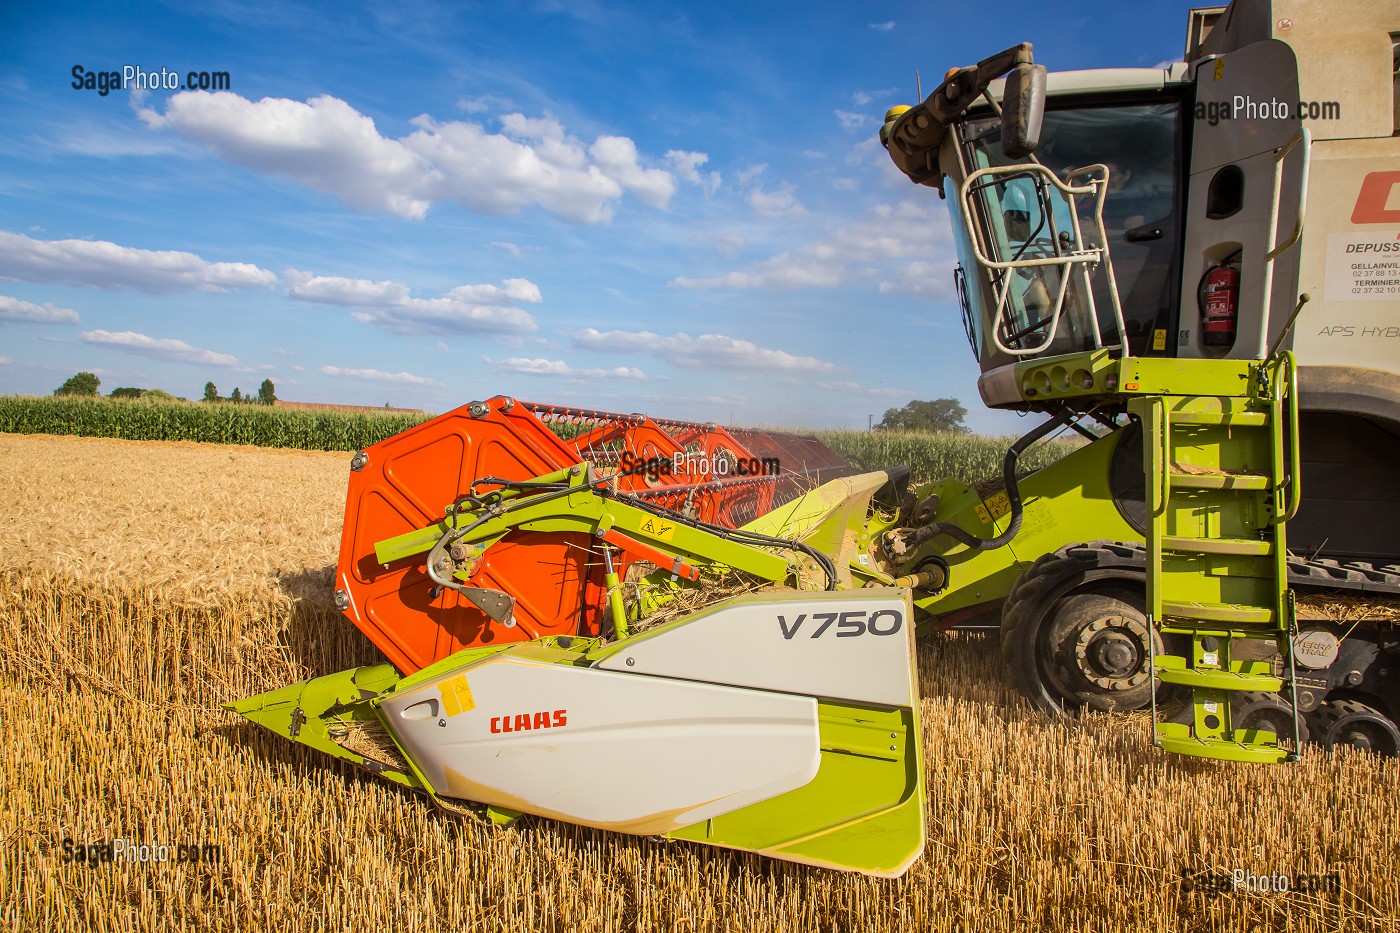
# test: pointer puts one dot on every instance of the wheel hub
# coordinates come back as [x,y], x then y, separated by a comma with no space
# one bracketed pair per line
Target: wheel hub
[1112,652]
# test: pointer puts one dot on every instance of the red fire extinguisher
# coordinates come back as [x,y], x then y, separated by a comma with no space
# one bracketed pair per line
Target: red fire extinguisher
[1219,300]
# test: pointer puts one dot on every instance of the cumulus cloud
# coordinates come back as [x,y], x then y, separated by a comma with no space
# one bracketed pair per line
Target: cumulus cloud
[906,231]
[15,309]
[466,309]
[708,351]
[687,167]
[327,145]
[544,367]
[334,290]
[780,203]
[100,264]
[160,348]
[379,375]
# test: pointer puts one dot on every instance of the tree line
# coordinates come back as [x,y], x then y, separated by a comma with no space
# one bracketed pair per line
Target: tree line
[86,383]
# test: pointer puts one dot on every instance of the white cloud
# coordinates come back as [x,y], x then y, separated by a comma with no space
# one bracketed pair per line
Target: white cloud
[442,346]
[730,243]
[886,26]
[708,351]
[466,309]
[378,375]
[855,388]
[753,171]
[5,361]
[544,367]
[924,279]
[327,145]
[508,290]
[334,290]
[160,348]
[15,309]
[617,157]
[100,264]
[780,203]
[851,120]
[511,248]
[866,98]
[905,231]
[687,167]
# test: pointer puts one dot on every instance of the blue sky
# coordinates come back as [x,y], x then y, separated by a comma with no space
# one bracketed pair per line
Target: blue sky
[682,210]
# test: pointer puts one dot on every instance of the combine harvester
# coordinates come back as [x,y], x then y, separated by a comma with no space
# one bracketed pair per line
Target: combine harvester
[619,630]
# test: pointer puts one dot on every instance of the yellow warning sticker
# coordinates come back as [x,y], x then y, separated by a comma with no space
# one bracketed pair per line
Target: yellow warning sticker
[658,529]
[1219,68]
[1159,339]
[456,695]
[995,507]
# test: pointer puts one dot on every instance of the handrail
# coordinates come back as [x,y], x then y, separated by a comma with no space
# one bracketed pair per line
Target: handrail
[1080,259]
[1302,138]
[1295,457]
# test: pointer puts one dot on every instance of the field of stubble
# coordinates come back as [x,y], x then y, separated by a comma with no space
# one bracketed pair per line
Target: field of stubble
[142,584]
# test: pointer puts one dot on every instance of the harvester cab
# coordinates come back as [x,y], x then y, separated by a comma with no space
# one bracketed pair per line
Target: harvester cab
[1169,255]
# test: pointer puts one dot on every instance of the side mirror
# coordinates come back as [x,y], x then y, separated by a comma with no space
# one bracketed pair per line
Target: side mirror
[1022,110]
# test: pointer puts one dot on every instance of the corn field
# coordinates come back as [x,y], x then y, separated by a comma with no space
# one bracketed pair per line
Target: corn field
[142,585]
[217,423]
[970,457]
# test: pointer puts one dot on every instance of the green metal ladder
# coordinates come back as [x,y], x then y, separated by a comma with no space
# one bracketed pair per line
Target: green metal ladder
[1222,477]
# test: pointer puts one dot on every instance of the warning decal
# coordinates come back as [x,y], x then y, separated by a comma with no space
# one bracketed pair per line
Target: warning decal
[1363,266]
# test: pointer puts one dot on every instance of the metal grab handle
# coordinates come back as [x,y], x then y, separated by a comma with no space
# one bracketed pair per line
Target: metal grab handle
[1289,384]
[1165,423]
[1303,136]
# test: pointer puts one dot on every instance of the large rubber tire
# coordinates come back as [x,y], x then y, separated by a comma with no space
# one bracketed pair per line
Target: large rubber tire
[1081,599]
[1356,725]
[1251,710]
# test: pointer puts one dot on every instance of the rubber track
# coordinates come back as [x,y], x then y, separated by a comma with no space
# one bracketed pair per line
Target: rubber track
[1054,574]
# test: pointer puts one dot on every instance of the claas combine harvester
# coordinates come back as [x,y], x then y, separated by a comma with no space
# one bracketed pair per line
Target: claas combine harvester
[677,629]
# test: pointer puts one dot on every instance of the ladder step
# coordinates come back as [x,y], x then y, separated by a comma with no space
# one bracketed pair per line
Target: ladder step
[1218,480]
[1242,675]
[1248,547]
[1249,745]
[1241,419]
[1219,612]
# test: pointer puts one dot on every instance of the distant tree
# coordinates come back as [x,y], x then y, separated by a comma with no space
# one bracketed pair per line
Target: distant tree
[83,383]
[267,393]
[940,414]
[159,395]
[211,392]
[236,396]
[125,392]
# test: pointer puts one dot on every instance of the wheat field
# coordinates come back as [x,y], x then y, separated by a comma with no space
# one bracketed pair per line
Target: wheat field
[143,584]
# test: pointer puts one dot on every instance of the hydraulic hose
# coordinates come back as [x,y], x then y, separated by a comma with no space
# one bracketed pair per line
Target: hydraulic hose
[1013,492]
